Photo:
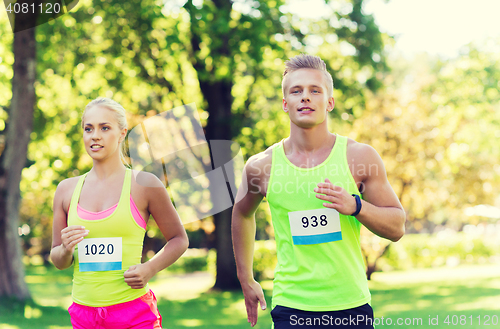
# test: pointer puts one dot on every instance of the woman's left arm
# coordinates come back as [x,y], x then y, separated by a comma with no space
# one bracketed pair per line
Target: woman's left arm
[161,208]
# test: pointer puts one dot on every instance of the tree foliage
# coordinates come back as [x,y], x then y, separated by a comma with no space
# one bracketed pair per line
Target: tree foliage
[436,126]
[227,57]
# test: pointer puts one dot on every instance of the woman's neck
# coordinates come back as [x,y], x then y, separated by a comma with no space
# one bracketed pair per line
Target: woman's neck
[108,168]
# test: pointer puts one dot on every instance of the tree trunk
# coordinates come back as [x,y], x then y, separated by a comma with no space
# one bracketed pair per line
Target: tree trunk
[13,159]
[219,99]
[217,92]
[372,267]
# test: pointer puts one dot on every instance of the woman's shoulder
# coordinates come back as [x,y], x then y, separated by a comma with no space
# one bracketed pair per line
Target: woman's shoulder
[146,187]
[145,180]
[65,191]
[68,184]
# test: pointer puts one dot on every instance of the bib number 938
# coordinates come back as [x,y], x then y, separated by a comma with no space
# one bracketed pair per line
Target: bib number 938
[315,226]
[313,222]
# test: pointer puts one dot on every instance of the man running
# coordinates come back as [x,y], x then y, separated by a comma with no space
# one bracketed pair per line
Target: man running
[321,187]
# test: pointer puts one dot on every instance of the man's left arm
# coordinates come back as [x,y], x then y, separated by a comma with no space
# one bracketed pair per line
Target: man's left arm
[381,212]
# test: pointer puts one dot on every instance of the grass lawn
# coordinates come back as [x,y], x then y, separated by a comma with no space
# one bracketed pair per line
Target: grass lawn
[470,294]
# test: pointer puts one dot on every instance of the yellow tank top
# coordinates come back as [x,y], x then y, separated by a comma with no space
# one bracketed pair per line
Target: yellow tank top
[114,243]
[320,265]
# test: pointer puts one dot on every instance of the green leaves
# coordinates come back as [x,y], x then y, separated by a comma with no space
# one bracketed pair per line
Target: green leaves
[152,56]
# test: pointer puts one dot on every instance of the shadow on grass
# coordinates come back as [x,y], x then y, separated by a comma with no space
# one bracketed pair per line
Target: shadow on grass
[468,304]
[405,295]
[46,285]
[32,316]
[51,290]
[212,310]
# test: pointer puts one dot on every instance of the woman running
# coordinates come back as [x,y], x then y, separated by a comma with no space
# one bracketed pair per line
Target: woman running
[99,224]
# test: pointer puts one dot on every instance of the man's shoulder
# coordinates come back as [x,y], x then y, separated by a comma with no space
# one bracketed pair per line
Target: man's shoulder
[359,151]
[363,158]
[262,159]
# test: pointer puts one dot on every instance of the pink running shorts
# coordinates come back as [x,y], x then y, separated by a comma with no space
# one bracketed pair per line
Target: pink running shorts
[140,313]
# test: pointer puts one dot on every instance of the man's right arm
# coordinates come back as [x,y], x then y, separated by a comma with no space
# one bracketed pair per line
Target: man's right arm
[243,234]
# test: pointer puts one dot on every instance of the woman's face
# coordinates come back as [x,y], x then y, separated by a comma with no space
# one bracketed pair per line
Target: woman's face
[101,133]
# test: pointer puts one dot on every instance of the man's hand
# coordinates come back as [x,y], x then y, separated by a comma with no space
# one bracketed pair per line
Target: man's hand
[337,197]
[253,295]
[138,276]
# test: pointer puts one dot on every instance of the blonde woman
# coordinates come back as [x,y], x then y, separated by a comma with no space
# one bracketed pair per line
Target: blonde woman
[99,225]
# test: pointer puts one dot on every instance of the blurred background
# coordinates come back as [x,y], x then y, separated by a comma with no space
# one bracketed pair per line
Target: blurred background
[417,80]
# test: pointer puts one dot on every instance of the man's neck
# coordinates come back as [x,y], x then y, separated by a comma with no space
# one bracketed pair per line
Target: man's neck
[309,140]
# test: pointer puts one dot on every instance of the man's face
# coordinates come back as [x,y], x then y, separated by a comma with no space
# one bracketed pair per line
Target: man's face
[306,97]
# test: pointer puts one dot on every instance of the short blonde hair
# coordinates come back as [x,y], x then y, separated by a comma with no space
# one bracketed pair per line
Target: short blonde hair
[305,61]
[120,115]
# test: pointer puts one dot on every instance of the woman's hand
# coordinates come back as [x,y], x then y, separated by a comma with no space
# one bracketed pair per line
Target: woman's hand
[71,236]
[138,276]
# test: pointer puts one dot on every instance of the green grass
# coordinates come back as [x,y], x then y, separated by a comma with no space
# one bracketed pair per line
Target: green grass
[468,291]
[186,301]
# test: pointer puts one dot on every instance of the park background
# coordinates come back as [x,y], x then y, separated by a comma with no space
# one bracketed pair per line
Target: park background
[434,119]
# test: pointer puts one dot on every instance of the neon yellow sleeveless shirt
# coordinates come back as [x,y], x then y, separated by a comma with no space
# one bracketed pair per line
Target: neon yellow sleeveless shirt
[99,265]
[320,264]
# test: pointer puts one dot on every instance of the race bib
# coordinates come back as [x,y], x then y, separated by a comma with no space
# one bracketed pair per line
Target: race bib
[100,254]
[315,226]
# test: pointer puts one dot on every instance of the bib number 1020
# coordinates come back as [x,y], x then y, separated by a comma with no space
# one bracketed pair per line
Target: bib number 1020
[101,249]
[314,221]
[100,254]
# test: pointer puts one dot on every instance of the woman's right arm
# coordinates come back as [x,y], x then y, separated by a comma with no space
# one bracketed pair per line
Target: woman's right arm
[64,238]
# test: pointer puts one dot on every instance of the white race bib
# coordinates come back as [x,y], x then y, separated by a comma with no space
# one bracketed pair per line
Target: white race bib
[315,226]
[100,254]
